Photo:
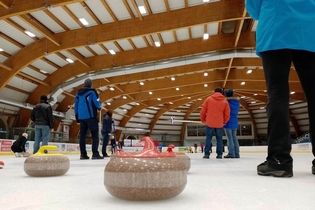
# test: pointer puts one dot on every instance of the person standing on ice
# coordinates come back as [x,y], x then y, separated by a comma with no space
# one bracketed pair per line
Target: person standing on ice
[285,35]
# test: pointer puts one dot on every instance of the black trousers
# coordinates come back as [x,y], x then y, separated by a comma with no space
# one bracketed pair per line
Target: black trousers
[277,65]
[91,125]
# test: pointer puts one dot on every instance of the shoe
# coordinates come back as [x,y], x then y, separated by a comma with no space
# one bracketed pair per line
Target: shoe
[96,157]
[228,156]
[313,170]
[106,155]
[266,169]
[84,157]
[206,157]
[219,157]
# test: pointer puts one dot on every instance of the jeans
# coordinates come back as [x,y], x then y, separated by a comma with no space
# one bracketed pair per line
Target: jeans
[42,134]
[233,145]
[91,125]
[105,143]
[218,132]
[277,65]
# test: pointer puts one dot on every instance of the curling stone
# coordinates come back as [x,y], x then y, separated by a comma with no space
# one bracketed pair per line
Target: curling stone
[1,164]
[44,163]
[148,175]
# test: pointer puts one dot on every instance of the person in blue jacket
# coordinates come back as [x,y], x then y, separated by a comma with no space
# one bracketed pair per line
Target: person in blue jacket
[285,34]
[232,125]
[86,105]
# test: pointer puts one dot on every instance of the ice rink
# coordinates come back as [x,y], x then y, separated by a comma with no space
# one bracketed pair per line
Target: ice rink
[228,184]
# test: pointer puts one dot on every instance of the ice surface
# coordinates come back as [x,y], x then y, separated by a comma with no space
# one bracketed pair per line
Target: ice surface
[227,184]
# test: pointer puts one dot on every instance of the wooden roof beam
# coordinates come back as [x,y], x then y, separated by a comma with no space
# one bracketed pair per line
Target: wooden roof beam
[5,3]
[42,29]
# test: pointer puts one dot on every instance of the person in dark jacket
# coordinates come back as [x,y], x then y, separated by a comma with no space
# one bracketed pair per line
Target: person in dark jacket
[106,130]
[43,119]
[18,147]
[232,125]
[86,105]
[284,36]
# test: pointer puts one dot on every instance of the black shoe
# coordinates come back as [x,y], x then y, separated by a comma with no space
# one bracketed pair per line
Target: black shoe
[97,157]
[266,169]
[313,170]
[206,157]
[105,155]
[219,157]
[84,157]
[228,156]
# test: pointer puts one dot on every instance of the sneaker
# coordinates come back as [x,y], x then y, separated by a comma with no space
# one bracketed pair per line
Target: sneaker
[97,156]
[228,156]
[266,169]
[84,157]
[206,157]
[219,157]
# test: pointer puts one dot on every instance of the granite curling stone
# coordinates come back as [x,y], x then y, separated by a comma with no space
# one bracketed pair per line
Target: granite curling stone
[148,175]
[44,163]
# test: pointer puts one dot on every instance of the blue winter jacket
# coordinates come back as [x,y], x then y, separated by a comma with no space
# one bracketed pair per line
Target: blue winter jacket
[86,104]
[283,24]
[234,108]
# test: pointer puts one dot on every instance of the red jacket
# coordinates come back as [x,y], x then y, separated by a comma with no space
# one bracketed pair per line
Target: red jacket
[215,111]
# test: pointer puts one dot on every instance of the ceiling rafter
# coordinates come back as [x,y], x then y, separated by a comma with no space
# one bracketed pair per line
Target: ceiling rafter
[54,18]
[18,89]
[132,44]
[167,5]
[109,10]
[32,79]
[5,3]
[11,40]
[135,6]
[147,6]
[91,50]
[80,58]
[75,18]
[132,15]
[42,29]
[91,13]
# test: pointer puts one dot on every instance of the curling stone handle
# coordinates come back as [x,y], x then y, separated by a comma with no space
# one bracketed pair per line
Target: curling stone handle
[46,148]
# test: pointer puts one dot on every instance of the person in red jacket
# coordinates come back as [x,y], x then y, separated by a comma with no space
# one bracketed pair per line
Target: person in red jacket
[215,112]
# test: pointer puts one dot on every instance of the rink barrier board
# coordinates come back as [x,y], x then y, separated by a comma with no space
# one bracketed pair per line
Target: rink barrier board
[68,148]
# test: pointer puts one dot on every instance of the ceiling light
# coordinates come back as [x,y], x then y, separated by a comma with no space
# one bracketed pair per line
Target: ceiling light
[124,97]
[178,110]
[159,99]
[44,72]
[205,85]
[243,96]
[205,1]
[177,89]
[171,103]
[249,71]
[111,89]
[108,103]
[125,110]
[84,21]
[30,34]
[265,91]
[157,44]
[243,83]
[137,104]
[253,102]
[150,93]
[112,52]
[141,83]
[262,107]
[205,74]
[205,36]
[69,60]
[199,99]
[142,10]
[172,78]
[189,97]
[255,94]
[1,50]
[291,103]
[292,92]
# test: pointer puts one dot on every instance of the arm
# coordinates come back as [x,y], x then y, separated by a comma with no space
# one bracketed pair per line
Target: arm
[226,113]
[50,116]
[76,101]
[253,8]
[96,101]
[203,112]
